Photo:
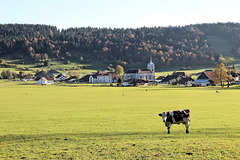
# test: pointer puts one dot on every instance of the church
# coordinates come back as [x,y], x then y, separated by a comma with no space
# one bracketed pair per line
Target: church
[144,74]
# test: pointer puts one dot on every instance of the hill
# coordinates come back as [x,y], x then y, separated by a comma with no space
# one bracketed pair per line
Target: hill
[97,48]
[221,45]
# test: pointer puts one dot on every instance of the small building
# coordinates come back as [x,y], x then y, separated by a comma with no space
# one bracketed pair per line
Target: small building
[85,79]
[186,81]
[144,74]
[60,77]
[235,79]
[44,80]
[71,79]
[43,74]
[204,79]
[100,77]
[159,79]
[26,78]
[54,72]
[183,74]
[136,82]
[171,79]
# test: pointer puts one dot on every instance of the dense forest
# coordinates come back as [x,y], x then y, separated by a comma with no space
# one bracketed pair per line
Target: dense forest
[169,46]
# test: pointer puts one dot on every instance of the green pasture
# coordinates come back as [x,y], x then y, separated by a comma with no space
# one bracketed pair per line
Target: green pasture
[95,122]
[221,45]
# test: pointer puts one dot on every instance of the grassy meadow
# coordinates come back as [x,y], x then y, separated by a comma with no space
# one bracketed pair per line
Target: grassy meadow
[96,122]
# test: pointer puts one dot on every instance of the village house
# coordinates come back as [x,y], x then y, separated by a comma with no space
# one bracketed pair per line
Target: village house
[43,74]
[235,79]
[187,81]
[60,77]
[44,80]
[54,72]
[71,79]
[136,82]
[159,79]
[144,74]
[26,78]
[180,78]
[171,79]
[85,79]
[100,77]
[103,77]
[204,79]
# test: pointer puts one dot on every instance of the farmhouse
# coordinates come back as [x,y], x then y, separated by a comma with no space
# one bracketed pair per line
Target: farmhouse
[204,79]
[180,78]
[26,78]
[159,79]
[71,79]
[60,77]
[187,81]
[54,72]
[44,80]
[171,79]
[103,77]
[43,74]
[145,74]
[100,77]
[135,82]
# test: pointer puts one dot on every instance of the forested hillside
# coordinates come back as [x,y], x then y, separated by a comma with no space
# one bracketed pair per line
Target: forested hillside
[169,46]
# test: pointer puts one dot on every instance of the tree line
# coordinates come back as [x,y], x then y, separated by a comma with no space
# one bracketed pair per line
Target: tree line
[131,48]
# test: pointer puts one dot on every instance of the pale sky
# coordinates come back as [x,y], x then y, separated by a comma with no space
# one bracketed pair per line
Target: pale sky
[118,13]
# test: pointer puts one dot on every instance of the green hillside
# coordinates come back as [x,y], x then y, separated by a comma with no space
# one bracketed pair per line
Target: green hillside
[31,47]
[221,45]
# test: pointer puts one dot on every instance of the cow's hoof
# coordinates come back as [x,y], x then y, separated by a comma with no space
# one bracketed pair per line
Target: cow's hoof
[187,131]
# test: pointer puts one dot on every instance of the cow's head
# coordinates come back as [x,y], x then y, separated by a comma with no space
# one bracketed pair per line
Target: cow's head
[164,116]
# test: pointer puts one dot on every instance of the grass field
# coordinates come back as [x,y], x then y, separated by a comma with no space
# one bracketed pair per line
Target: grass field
[87,122]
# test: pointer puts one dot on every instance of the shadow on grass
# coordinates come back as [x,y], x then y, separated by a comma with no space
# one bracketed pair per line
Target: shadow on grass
[161,135]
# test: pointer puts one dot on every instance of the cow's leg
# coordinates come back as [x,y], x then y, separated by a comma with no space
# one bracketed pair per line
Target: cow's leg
[169,126]
[187,127]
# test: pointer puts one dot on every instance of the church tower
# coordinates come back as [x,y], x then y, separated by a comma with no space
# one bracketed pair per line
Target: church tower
[151,67]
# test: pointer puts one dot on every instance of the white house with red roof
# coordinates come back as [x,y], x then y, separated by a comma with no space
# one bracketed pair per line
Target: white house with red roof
[44,80]
[103,77]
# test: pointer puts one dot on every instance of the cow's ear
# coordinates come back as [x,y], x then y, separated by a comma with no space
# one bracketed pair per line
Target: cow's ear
[160,114]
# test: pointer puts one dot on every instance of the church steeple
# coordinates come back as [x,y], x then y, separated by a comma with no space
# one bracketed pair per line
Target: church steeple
[151,67]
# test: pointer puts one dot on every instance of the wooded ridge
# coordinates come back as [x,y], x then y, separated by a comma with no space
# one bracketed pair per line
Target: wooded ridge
[169,46]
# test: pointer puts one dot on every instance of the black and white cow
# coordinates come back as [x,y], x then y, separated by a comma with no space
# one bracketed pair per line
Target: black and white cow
[176,117]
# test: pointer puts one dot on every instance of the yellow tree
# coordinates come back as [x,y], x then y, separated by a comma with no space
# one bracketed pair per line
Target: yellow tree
[120,73]
[119,70]
[220,75]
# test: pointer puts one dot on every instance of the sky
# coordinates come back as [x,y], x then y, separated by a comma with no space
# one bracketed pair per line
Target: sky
[118,13]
